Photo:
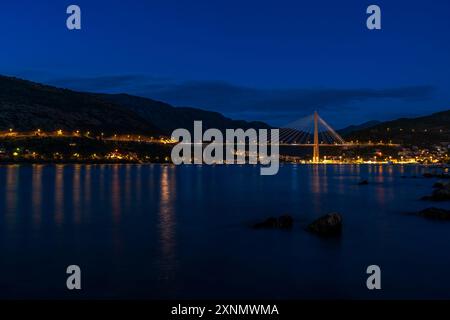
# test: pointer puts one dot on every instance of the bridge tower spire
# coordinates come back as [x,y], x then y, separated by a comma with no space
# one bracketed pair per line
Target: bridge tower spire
[316,138]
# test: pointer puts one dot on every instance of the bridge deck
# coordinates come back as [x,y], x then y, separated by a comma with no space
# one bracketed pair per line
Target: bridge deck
[343,145]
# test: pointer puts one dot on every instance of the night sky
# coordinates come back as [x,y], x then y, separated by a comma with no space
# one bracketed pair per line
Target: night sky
[273,61]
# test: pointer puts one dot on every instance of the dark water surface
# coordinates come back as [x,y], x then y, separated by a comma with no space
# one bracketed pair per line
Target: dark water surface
[151,231]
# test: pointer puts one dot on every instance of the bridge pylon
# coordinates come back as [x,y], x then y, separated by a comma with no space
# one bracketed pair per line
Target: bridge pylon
[316,138]
[312,131]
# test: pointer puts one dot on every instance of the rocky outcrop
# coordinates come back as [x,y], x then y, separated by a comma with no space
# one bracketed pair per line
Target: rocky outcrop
[436,175]
[441,192]
[328,225]
[435,213]
[282,222]
[285,222]
[440,185]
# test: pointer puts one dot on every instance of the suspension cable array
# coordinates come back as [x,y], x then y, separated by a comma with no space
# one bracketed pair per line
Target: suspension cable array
[301,131]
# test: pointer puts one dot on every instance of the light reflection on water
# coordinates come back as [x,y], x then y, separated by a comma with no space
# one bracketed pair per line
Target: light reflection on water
[163,231]
[167,220]
[76,197]
[12,175]
[59,194]
[37,195]
[87,186]
[115,194]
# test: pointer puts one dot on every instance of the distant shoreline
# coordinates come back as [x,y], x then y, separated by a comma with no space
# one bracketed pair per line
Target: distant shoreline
[127,162]
[80,162]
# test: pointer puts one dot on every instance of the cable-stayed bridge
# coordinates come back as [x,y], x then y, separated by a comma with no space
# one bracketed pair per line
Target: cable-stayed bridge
[313,131]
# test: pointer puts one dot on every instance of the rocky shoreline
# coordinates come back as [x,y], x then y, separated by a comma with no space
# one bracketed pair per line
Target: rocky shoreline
[325,226]
[330,225]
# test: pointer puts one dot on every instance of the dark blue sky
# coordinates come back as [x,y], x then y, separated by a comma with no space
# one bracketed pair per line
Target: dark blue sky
[262,60]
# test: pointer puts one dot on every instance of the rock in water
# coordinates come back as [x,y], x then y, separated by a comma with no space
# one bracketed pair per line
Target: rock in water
[439,195]
[269,223]
[439,185]
[443,175]
[435,213]
[363,183]
[329,225]
[285,222]
[282,222]
[441,192]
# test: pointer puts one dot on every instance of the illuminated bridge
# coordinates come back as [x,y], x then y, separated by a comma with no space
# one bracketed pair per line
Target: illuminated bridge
[314,131]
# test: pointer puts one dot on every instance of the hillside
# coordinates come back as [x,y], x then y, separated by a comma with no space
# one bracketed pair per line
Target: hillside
[168,118]
[431,129]
[353,128]
[26,105]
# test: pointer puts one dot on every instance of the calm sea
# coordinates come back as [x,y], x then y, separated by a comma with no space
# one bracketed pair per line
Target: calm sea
[157,232]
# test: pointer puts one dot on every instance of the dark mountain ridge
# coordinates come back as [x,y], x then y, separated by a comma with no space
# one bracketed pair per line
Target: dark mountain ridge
[169,118]
[26,105]
[352,128]
[425,130]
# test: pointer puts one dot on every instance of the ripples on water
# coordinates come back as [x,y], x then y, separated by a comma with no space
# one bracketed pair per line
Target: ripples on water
[151,231]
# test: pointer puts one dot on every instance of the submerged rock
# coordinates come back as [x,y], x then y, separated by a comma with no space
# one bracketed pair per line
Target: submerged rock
[439,194]
[435,213]
[328,225]
[285,222]
[436,175]
[266,224]
[363,183]
[282,222]
[441,185]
